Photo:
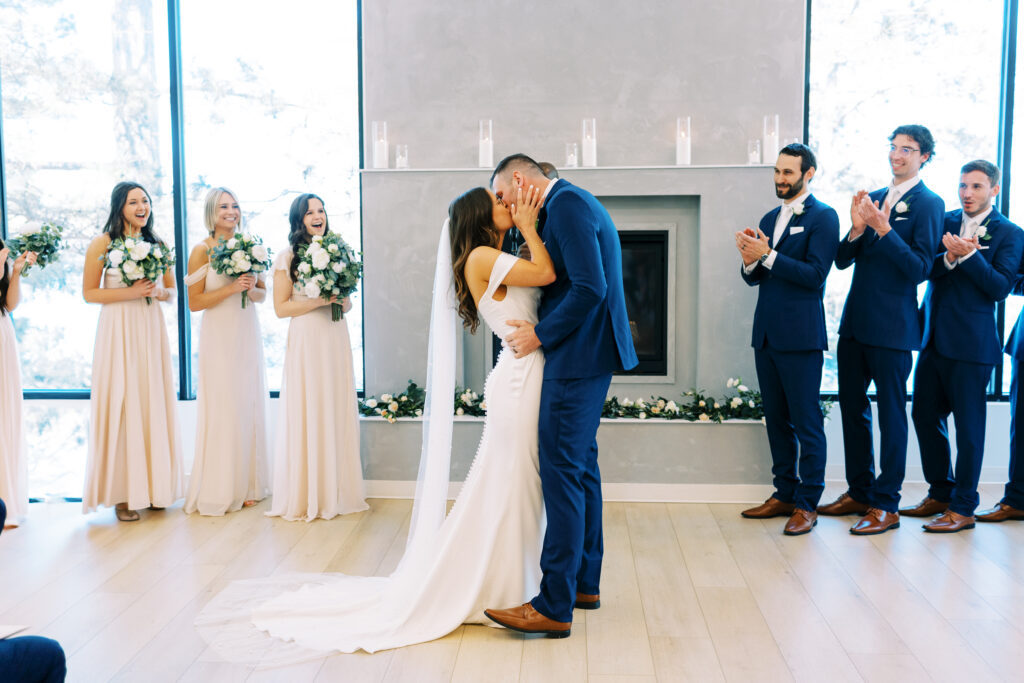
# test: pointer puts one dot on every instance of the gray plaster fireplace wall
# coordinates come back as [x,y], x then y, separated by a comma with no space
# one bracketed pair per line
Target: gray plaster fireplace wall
[432,70]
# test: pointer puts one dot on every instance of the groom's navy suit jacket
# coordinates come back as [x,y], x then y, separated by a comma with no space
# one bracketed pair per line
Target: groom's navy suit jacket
[583,328]
[789,314]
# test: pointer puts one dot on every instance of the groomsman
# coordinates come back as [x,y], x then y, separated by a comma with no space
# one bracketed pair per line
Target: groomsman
[788,258]
[893,241]
[961,347]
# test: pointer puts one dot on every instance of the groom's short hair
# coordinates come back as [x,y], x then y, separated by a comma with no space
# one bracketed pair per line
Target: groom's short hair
[516,162]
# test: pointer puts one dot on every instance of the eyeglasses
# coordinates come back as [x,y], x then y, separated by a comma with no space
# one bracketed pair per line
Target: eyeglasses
[902,151]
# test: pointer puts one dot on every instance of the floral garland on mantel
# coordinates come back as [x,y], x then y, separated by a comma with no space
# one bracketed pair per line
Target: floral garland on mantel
[695,405]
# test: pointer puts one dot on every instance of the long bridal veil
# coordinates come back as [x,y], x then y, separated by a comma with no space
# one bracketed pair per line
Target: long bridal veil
[232,622]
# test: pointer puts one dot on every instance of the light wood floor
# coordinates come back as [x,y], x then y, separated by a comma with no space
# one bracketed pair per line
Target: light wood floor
[690,592]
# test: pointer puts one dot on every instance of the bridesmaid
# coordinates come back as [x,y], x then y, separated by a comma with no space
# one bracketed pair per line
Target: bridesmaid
[317,471]
[13,472]
[134,453]
[230,467]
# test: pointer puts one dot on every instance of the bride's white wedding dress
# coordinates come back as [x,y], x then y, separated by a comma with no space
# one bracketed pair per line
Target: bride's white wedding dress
[486,553]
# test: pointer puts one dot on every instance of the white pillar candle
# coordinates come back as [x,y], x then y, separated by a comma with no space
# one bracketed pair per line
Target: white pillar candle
[589,142]
[683,141]
[486,153]
[380,144]
[770,138]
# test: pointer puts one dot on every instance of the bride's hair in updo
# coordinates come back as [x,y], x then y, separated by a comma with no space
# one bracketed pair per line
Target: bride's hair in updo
[297,234]
[471,223]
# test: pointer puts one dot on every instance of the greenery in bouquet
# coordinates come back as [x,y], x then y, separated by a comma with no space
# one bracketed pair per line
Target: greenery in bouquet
[469,403]
[136,259]
[328,268]
[46,242]
[242,253]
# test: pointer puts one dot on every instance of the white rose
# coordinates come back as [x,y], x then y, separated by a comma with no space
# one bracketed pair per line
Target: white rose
[337,267]
[312,290]
[460,411]
[317,239]
[157,252]
[671,405]
[626,402]
[419,413]
[132,271]
[379,411]
[320,279]
[259,252]
[116,257]
[238,255]
[244,266]
[655,410]
[371,403]
[717,406]
[703,417]
[901,207]
[321,259]
[140,250]
[483,405]
[232,243]
[701,404]
[742,387]
[403,399]
[731,383]
[736,402]
[642,416]
[386,398]
[982,231]
[129,243]
[304,268]
[798,210]
[751,403]
[475,396]
[333,248]
[661,403]
[393,407]
[640,403]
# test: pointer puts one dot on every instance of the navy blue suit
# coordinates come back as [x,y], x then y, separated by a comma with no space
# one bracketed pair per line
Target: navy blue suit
[1014,494]
[878,331]
[585,334]
[961,348]
[788,338]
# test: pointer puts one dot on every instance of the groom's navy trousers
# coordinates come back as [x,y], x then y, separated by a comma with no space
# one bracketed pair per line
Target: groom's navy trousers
[584,331]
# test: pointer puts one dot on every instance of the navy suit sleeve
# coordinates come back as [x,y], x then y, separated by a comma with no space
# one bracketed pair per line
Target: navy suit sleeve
[996,279]
[823,242]
[847,252]
[915,260]
[575,230]
[755,277]
[1018,285]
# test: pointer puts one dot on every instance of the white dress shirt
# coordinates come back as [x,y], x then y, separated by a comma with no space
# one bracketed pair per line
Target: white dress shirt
[893,197]
[780,227]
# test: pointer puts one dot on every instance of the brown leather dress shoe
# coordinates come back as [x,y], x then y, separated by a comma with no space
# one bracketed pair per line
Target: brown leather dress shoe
[843,505]
[929,507]
[801,522]
[1000,513]
[773,507]
[584,601]
[949,522]
[526,619]
[876,522]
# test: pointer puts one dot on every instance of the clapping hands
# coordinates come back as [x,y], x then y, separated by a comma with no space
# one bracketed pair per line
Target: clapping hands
[751,245]
[958,247]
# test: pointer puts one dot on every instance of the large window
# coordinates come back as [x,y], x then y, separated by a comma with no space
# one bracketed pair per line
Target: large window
[872,69]
[86,102]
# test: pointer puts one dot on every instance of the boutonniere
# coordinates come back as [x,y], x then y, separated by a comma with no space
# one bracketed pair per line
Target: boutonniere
[982,233]
[798,210]
[903,206]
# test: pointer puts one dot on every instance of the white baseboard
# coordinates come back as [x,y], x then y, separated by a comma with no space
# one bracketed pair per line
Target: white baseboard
[614,492]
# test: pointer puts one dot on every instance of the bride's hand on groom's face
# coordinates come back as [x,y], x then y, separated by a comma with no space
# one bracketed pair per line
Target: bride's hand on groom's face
[525,207]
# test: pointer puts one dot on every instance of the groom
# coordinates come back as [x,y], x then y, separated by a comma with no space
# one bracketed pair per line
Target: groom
[585,335]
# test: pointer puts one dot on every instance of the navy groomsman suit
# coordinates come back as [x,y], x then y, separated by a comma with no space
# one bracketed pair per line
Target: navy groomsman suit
[1013,496]
[960,350]
[878,331]
[789,339]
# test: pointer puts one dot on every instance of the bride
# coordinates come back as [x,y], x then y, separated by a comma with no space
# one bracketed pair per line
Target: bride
[486,551]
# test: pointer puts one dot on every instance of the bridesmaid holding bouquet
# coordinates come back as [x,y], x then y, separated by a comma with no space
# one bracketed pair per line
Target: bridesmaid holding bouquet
[317,470]
[134,451]
[230,466]
[13,472]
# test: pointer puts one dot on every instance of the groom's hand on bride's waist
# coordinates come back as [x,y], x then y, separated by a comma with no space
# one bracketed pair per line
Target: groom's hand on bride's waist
[524,340]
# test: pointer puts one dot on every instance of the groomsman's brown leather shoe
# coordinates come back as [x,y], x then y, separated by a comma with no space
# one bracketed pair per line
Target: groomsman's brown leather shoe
[584,601]
[773,507]
[526,619]
[801,522]
[876,522]
[949,522]
[929,507]
[844,505]
[1000,513]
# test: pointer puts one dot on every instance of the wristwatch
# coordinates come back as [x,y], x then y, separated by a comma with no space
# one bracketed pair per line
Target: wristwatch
[763,257]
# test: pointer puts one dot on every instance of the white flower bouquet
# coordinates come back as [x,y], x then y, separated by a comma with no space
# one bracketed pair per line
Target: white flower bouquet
[241,254]
[328,268]
[46,242]
[136,259]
